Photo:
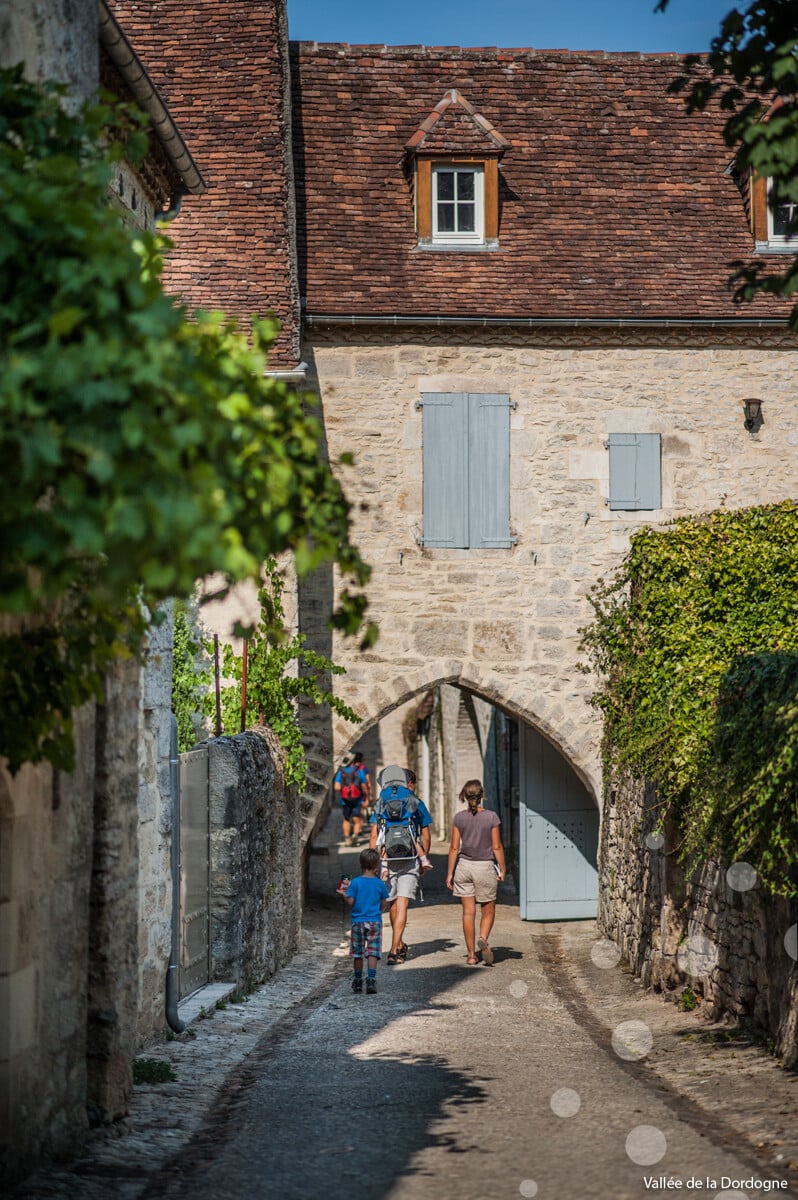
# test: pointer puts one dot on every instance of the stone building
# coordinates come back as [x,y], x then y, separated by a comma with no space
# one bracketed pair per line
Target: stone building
[504,272]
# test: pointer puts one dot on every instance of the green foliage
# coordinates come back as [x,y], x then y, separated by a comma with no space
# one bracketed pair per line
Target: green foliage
[695,641]
[750,806]
[273,687]
[152,1070]
[751,71]
[688,1001]
[141,450]
[189,665]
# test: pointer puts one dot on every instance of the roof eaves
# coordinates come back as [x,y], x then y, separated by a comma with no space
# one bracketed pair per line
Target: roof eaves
[130,67]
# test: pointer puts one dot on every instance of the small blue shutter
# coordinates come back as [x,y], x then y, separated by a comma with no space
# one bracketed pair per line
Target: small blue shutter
[635,471]
[445,468]
[489,471]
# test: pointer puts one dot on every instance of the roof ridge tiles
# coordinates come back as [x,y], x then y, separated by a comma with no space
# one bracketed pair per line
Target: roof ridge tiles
[455,98]
[493,51]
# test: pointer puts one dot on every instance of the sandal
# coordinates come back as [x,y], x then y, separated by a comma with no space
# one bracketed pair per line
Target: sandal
[472,962]
[401,953]
[393,959]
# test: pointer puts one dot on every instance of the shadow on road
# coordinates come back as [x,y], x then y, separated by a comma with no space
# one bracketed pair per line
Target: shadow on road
[353,1090]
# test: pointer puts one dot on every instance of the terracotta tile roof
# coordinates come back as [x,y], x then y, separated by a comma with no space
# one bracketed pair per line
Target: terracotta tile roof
[613,203]
[218,67]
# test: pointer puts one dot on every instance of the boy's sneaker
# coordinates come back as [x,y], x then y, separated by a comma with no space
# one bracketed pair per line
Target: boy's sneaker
[371,987]
[357,985]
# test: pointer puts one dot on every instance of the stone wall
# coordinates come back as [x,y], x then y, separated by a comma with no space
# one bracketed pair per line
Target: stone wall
[56,39]
[46,844]
[113,908]
[255,859]
[732,944]
[504,624]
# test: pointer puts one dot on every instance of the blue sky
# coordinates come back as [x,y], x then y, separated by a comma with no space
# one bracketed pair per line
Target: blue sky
[687,25]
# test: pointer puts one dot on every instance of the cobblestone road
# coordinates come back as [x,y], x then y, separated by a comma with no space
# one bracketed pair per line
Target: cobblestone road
[549,1074]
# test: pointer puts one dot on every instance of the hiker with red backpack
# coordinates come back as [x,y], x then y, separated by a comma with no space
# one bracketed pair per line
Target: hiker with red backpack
[368,792]
[400,831]
[350,787]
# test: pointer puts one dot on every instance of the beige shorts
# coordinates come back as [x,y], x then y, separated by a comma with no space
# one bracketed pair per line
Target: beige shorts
[404,880]
[477,879]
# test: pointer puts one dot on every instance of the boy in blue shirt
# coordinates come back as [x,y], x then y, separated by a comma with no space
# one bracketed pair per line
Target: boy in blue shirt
[367,896]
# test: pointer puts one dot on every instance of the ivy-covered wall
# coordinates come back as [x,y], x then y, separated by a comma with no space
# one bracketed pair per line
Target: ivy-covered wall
[695,646]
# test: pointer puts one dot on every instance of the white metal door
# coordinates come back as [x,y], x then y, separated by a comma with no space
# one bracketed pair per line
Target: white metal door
[559,835]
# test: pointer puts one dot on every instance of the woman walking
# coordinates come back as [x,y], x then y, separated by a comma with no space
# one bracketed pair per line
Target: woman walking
[476,865]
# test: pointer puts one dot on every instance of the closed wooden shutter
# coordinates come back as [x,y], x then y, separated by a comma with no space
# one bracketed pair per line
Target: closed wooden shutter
[466,465]
[445,466]
[635,481]
[489,474]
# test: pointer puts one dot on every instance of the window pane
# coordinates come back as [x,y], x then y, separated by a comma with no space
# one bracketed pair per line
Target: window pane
[781,219]
[446,218]
[445,185]
[465,218]
[465,185]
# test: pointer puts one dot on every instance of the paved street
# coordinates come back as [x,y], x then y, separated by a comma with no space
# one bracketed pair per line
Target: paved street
[459,1083]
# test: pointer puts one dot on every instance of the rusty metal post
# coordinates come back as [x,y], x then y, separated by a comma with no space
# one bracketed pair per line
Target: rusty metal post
[218,687]
[244,688]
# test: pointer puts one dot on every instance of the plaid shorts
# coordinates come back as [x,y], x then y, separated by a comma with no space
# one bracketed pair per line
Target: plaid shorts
[365,940]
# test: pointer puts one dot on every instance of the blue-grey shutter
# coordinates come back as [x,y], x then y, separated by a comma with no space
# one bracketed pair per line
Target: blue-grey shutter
[445,467]
[635,470]
[489,471]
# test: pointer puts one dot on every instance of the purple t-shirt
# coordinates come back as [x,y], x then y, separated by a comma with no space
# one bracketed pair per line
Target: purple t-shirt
[475,833]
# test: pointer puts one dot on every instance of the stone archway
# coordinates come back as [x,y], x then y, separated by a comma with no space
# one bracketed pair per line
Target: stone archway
[549,808]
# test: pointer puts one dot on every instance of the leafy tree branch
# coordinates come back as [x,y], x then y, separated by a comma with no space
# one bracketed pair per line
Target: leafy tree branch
[280,670]
[142,449]
[751,71]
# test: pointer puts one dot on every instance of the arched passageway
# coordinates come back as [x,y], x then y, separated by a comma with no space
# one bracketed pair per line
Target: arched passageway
[449,733]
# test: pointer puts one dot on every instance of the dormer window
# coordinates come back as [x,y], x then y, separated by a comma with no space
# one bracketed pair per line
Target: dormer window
[456,154]
[458,203]
[771,223]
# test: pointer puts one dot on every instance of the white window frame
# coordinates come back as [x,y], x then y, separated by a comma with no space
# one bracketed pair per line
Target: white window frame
[467,237]
[777,239]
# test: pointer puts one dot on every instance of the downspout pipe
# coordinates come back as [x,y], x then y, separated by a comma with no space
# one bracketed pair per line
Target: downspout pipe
[172,988]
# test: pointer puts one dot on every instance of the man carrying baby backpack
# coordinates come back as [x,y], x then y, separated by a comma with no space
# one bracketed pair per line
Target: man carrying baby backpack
[400,831]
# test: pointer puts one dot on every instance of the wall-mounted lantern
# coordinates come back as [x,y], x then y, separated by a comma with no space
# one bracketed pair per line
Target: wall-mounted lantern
[753,413]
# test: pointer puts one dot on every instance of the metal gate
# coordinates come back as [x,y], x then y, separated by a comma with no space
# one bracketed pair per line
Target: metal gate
[194,961]
[559,835]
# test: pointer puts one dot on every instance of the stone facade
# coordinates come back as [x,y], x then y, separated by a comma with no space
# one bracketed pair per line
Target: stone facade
[504,624]
[735,949]
[46,845]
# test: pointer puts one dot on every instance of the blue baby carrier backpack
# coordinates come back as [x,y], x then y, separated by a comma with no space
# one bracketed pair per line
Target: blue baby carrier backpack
[395,811]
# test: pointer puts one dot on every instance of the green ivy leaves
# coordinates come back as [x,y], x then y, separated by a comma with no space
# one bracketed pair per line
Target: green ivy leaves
[696,644]
[280,671]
